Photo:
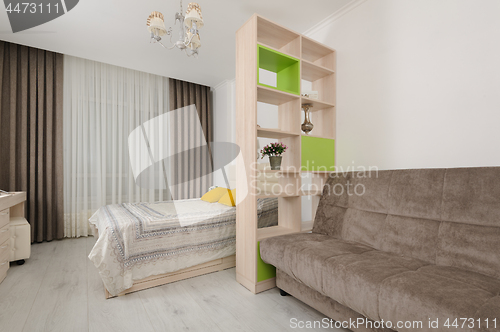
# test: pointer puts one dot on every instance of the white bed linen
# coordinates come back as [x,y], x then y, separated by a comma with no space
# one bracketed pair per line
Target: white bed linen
[144,239]
[139,240]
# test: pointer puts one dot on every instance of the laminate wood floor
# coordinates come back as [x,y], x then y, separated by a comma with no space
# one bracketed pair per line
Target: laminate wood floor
[58,289]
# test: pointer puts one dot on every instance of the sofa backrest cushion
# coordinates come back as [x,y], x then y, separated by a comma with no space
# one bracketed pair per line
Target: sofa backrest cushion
[447,217]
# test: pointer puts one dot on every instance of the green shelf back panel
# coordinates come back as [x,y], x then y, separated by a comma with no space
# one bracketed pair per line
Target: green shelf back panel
[286,67]
[264,271]
[317,154]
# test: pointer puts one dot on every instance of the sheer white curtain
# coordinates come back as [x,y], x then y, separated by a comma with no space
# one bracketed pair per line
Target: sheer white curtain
[103,104]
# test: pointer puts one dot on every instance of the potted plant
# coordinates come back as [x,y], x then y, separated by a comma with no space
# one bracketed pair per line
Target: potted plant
[274,151]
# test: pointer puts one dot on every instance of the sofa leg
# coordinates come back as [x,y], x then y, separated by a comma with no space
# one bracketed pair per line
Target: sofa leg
[20,262]
[283,293]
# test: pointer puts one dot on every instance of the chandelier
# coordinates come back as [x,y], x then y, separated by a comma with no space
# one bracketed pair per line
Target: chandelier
[189,37]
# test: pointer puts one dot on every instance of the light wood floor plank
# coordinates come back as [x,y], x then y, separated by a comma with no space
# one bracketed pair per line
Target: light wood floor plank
[171,308]
[61,302]
[124,313]
[219,299]
[19,289]
[59,289]
[224,319]
[282,308]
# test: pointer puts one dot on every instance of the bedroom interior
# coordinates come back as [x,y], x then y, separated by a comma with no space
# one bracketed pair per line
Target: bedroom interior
[250,165]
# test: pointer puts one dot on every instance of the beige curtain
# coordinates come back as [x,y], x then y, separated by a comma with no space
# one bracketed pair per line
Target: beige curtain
[103,106]
[192,167]
[31,86]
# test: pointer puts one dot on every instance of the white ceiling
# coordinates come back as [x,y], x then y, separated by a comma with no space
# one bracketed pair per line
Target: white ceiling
[114,31]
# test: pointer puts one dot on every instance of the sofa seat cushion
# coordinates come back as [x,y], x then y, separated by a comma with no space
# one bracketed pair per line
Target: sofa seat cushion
[348,272]
[303,255]
[491,308]
[355,280]
[440,292]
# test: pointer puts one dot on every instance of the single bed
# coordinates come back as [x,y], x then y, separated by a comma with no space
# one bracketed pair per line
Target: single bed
[143,245]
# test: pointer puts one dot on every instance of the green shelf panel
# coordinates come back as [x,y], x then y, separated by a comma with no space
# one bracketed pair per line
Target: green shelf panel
[264,271]
[286,67]
[318,154]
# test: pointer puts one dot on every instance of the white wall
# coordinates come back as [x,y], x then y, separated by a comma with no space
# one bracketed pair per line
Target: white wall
[418,82]
[224,105]
[224,99]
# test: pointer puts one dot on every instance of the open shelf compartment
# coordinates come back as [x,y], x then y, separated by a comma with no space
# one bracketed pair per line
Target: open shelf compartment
[278,37]
[287,69]
[267,183]
[313,185]
[317,53]
[291,158]
[267,232]
[317,105]
[313,72]
[273,96]
[274,133]
[323,117]
[323,86]
[284,111]
[288,219]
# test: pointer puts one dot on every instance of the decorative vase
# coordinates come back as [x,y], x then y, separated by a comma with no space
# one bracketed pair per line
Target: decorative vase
[307,126]
[275,162]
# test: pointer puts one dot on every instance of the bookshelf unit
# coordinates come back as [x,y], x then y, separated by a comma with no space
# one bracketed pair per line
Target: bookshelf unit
[262,44]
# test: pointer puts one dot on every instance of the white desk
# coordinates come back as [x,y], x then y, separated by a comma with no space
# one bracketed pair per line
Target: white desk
[11,206]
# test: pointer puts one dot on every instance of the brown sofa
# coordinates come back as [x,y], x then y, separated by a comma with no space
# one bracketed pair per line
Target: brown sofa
[416,245]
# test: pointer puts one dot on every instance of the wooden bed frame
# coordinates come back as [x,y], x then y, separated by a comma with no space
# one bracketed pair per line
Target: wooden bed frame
[163,279]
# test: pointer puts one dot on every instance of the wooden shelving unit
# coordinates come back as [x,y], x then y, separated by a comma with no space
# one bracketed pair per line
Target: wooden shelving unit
[264,233]
[263,44]
[275,133]
[274,97]
[317,104]
[312,72]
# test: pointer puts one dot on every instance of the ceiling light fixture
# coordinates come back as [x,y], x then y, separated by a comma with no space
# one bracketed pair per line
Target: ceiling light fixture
[189,37]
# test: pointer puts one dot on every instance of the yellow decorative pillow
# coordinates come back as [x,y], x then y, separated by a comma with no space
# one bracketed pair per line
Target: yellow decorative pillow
[229,198]
[214,195]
